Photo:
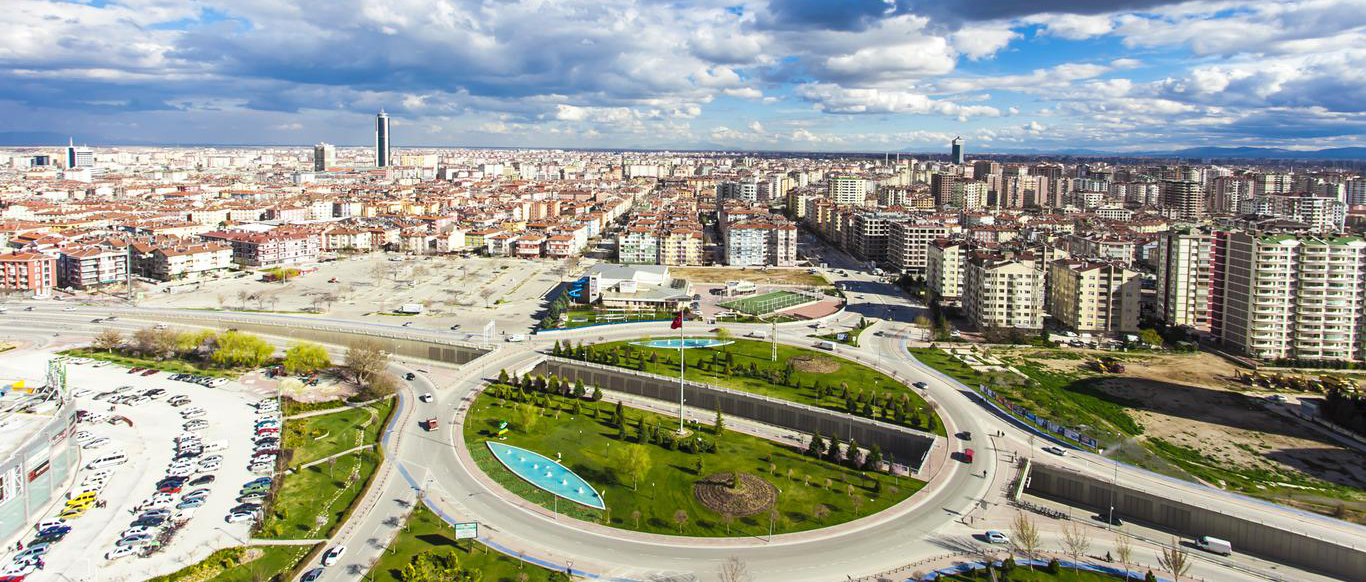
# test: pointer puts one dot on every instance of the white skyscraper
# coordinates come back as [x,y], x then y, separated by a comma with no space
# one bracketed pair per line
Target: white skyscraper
[324,157]
[81,157]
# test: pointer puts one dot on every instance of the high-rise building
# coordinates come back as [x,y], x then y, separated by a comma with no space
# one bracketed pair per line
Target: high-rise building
[1003,292]
[1289,297]
[78,157]
[1183,199]
[848,190]
[942,186]
[324,157]
[944,269]
[382,139]
[957,153]
[1183,278]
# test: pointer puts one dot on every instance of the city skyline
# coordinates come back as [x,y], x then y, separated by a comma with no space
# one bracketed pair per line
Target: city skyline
[782,75]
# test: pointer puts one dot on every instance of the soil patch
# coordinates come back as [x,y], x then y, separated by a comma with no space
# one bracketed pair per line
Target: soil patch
[753,495]
[814,364]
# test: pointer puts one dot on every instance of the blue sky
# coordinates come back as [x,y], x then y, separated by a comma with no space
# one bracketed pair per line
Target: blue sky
[833,75]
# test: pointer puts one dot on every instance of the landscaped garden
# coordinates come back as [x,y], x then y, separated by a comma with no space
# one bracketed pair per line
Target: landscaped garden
[311,502]
[318,437]
[427,544]
[242,564]
[703,484]
[799,374]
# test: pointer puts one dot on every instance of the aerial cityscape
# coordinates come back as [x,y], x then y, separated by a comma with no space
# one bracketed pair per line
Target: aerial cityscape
[418,291]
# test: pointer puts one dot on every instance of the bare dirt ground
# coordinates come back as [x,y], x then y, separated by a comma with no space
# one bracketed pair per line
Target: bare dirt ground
[1193,401]
[771,276]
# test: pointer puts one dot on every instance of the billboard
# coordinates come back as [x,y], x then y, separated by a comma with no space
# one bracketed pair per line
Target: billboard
[467,530]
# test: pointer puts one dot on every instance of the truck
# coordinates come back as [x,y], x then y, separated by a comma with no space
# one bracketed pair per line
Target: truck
[410,308]
[826,345]
[756,334]
[1214,545]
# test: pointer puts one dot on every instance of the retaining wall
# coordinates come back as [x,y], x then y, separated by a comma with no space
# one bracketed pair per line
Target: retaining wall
[1341,558]
[902,445]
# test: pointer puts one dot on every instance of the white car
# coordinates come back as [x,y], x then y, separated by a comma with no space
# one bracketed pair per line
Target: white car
[196,425]
[180,472]
[68,308]
[20,569]
[240,516]
[210,466]
[84,436]
[156,499]
[191,410]
[95,444]
[49,523]
[192,414]
[134,540]
[1059,451]
[426,397]
[137,530]
[333,555]
[120,552]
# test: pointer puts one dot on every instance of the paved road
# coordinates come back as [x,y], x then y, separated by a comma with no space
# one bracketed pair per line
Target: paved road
[881,542]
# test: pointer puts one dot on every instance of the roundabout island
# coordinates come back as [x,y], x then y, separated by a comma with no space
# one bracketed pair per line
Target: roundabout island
[618,460]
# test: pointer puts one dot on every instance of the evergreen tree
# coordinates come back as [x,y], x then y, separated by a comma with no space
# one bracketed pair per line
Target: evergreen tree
[555,351]
[817,446]
[852,454]
[597,394]
[867,410]
[621,414]
[720,422]
[503,376]
[578,388]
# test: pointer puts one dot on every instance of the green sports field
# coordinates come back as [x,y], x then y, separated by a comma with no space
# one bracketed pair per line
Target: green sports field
[767,303]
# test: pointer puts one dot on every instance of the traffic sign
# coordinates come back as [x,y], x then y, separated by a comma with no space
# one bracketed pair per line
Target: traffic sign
[469,530]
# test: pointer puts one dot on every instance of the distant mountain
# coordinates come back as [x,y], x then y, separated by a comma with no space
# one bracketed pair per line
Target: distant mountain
[1268,153]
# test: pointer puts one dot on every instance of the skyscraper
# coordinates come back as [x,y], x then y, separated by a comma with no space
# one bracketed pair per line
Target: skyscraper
[78,157]
[382,139]
[958,150]
[324,157]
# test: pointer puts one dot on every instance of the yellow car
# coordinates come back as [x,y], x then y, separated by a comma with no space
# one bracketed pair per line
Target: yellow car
[73,512]
[83,499]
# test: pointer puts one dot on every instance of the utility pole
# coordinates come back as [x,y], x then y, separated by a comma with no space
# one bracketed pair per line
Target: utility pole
[773,327]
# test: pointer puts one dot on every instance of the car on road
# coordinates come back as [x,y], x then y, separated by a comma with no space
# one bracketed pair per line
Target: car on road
[1112,519]
[333,555]
[1059,451]
[68,308]
[49,524]
[409,376]
[455,327]
[312,575]
[996,537]
[73,512]
[920,385]
[426,397]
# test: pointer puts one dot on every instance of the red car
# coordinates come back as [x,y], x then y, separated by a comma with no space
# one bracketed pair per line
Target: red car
[149,372]
[267,430]
[134,370]
[169,489]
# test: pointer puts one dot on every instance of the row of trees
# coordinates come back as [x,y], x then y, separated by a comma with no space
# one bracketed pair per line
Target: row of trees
[830,449]
[1026,541]
[552,385]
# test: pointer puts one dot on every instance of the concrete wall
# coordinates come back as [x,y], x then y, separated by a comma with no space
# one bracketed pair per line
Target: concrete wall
[35,472]
[1333,557]
[449,352]
[903,445]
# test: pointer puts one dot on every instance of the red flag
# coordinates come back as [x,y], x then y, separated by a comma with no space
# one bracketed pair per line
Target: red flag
[678,321]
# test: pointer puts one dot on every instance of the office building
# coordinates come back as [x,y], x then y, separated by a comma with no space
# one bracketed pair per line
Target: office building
[957,152]
[324,157]
[79,157]
[382,139]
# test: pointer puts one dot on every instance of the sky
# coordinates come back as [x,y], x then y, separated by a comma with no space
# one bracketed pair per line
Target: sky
[798,75]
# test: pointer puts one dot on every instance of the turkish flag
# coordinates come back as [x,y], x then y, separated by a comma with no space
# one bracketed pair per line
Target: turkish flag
[678,321]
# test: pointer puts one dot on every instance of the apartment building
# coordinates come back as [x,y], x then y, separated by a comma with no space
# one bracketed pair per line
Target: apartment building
[269,249]
[187,261]
[92,266]
[944,269]
[28,271]
[1094,296]
[1002,292]
[908,243]
[1292,297]
[1322,214]
[680,247]
[868,235]
[848,190]
[758,243]
[1184,259]
[1183,200]
[639,245]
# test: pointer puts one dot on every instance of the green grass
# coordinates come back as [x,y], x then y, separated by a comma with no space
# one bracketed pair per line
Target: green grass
[766,303]
[593,317]
[292,407]
[851,337]
[1062,398]
[425,531]
[802,386]
[311,493]
[586,441]
[1251,481]
[173,366]
[317,437]
[225,565]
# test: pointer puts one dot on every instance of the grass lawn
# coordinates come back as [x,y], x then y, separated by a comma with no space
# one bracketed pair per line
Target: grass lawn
[1062,398]
[424,532]
[225,565]
[311,493]
[587,440]
[580,317]
[320,436]
[171,366]
[291,407]
[858,378]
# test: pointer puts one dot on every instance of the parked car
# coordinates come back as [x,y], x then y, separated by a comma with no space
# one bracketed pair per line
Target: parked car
[134,540]
[202,480]
[426,397]
[312,575]
[240,516]
[120,552]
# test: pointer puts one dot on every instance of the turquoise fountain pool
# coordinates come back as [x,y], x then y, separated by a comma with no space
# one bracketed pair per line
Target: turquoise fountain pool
[542,472]
[687,343]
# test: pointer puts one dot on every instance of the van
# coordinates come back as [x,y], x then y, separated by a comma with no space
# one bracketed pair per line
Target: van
[517,337]
[109,460]
[758,334]
[826,345]
[1214,545]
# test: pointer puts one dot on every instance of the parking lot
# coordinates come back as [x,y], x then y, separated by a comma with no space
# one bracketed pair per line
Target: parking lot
[145,432]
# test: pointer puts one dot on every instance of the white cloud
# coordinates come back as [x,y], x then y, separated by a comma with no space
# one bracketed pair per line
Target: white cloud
[832,98]
[1073,26]
[977,42]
